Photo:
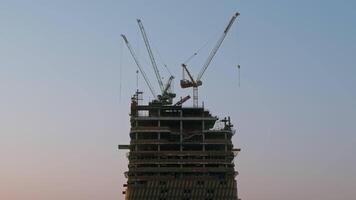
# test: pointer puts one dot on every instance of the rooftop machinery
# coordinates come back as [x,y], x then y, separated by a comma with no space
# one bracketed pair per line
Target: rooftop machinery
[185,83]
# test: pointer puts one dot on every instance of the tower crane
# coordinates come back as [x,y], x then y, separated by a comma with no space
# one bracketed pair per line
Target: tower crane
[185,83]
[139,65]
[165,96]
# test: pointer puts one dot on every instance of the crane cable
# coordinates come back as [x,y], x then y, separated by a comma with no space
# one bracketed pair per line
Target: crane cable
[201,48]
[161,60]
[120,68]
[238,57]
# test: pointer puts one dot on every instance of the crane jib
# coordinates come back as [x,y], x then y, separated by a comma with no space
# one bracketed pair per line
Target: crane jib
[139,66]
[216,47]
[231,22]
[196,83]
[150,53]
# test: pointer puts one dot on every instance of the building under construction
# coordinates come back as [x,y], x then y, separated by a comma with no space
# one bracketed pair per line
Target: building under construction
[178,152]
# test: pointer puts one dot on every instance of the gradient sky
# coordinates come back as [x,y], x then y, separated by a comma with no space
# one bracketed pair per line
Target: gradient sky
[62,113]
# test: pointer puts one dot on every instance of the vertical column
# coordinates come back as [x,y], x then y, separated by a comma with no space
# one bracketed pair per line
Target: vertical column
[226,143]
[181,130]
[136,136]
[159,117]
[159,134]
[203,128]
[159,140]
[203,135]
[181,136]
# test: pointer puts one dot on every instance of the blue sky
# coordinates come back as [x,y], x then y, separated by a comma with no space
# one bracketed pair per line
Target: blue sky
[62,113]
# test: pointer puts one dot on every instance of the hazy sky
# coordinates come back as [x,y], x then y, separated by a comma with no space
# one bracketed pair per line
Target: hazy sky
[62,113]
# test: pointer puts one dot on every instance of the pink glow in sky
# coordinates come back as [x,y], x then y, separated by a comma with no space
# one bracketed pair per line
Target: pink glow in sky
[62,113]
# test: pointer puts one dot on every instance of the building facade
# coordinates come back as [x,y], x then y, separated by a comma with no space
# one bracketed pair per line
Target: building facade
[179,153]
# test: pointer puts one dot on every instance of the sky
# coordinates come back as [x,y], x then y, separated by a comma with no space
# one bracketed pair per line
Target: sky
[66,79]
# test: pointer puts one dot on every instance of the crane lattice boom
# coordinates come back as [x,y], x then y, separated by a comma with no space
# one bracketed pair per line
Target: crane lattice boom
[216,47]
[185,83]
[153,61]
[139,65]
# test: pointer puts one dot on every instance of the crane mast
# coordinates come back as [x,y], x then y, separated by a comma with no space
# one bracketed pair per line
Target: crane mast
[168,85]
[139,65]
